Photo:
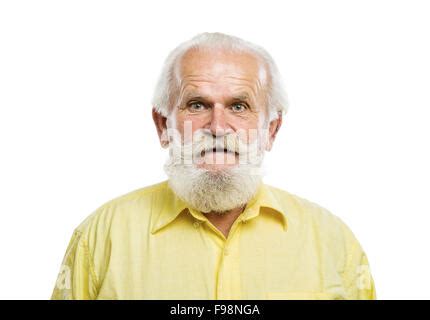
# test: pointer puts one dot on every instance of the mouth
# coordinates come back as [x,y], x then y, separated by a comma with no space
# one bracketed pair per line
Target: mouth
[220,150]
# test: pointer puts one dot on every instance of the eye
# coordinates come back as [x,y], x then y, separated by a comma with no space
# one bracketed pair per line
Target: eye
[196,106]
[238,107]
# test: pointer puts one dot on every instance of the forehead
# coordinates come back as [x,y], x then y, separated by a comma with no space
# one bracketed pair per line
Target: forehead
[201,67]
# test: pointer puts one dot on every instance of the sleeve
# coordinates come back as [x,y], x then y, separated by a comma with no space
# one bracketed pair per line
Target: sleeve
[76,279]
[358,280]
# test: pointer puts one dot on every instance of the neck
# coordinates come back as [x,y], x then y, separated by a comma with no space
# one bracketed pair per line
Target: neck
[224,221]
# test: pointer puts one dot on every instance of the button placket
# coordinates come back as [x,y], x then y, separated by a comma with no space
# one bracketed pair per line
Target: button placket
[229,277]
[226,251]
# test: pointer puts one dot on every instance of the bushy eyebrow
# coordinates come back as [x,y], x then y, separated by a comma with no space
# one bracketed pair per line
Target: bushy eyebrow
[237,97]
[242,97]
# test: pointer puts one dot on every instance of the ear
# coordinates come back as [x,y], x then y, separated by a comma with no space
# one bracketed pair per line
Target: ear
[274,127]
[161,126]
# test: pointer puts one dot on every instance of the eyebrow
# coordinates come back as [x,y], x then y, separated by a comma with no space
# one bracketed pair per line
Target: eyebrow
[236,97]
[242,96]
[195,96]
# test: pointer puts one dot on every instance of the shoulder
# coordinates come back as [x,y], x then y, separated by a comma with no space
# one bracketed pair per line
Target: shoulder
[308,215]
[136,204]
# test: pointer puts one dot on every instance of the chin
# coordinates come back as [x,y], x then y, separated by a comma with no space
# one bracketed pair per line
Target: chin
[217,167]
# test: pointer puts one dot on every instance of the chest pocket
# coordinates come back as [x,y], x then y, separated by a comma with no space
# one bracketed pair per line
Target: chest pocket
[303,295]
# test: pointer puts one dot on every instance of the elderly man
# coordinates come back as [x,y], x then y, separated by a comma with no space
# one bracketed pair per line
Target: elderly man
[214,230]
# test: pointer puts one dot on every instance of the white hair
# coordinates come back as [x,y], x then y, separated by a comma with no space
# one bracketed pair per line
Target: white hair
[167,85]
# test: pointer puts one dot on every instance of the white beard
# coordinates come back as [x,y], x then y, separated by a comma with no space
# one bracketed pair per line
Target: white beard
[217,191]
[214,190]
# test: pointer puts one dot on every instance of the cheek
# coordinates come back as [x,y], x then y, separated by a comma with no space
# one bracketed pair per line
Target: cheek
[187,126]
[246,128]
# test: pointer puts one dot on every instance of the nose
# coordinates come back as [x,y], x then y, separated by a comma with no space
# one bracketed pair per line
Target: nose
[218,124]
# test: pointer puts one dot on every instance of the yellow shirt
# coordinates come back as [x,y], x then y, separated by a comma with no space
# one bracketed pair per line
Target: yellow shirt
[148,244]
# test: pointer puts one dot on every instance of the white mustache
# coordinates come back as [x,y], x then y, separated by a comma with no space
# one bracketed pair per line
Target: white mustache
[203,142]
[231,143]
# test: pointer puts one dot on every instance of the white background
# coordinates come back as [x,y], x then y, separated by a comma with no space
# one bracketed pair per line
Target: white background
[76,81]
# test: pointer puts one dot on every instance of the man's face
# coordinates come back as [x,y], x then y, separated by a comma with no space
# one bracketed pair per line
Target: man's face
[220,93]
[219,118]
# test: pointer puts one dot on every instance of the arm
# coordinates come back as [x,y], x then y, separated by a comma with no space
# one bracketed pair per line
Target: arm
[77,279]
[358,280]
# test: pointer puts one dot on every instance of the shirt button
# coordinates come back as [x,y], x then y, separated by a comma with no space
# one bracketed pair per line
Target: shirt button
[196,224]
[226,252]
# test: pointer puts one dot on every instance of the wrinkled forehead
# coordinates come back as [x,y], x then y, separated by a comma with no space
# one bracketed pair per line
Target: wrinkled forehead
[220,65]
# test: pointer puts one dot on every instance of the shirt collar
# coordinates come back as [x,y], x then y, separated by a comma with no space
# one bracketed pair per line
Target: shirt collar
[172,206]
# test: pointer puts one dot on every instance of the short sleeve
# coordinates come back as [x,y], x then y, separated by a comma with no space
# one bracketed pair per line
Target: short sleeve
[76,279]
[358,280]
